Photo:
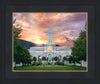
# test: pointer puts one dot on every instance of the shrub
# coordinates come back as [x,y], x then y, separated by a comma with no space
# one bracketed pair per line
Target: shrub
[49,63]
[39,63]
[62,63]
[59,63]
[56,58]
[43,58]
[34,58]
[34,63]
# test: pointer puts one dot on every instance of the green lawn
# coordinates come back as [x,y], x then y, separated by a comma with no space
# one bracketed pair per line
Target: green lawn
[57,68]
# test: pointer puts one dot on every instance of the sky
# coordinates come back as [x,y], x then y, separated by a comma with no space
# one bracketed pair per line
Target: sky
[65,27]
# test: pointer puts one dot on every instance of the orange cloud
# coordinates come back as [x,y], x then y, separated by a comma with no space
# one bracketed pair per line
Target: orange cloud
[40,40]
[34,34]
[56,16]
[35,26]
[67,14]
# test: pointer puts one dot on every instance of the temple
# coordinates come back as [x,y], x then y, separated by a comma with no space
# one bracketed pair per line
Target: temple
[50,50]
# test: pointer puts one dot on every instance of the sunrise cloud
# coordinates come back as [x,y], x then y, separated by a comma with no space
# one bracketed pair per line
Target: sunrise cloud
[65,26]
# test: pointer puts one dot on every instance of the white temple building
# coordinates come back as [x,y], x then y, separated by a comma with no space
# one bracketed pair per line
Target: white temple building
[50,50]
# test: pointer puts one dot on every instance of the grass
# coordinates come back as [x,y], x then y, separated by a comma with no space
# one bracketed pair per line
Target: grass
[57,68]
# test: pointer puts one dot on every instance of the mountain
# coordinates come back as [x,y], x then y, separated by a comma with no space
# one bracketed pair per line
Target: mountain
[57,45]
[28,44]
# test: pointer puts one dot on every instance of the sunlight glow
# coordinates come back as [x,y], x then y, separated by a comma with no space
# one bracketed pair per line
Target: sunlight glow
[40,40]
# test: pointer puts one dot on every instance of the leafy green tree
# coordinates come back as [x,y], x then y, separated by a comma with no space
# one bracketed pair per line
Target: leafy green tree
[72,59]
[34,59]
[43,58]
[17,48]
[21,54]
[25,55]
[79,49]
[56,58]
[17,57]
[64,58]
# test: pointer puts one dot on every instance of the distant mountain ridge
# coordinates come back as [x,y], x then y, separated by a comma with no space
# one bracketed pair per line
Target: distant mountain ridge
[28,44]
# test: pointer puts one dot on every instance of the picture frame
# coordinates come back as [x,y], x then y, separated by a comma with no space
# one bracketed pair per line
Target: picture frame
[43,47]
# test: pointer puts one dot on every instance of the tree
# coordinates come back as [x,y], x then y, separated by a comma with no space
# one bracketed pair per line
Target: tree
[43,58]
[79,49]
[56,58]
[64,58]
[17,30]
[25,56]
[17,45]
[21,54]
[72,59]
[67,56]
[34,59]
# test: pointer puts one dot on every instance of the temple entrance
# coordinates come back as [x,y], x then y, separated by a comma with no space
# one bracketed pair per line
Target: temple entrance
[49,58]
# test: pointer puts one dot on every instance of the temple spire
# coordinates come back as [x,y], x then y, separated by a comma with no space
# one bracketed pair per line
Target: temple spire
[50,41]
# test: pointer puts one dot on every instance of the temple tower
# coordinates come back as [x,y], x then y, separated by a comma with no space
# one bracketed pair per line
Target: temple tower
[50,41]
[50,46]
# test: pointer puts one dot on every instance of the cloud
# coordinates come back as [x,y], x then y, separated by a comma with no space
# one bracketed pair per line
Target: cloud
[65,26]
